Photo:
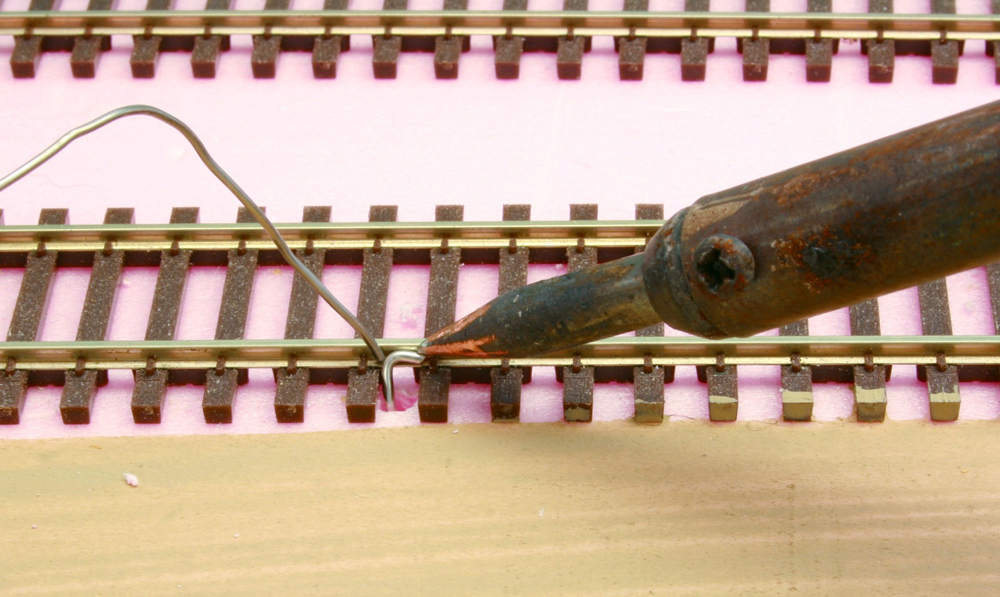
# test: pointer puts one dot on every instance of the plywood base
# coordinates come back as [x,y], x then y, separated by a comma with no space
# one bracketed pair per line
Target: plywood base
[602,509]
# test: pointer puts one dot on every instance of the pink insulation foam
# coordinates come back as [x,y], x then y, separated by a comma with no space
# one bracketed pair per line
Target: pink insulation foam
[416,142]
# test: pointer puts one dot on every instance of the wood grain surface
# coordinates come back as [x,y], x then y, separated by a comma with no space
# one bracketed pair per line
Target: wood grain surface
[604,509]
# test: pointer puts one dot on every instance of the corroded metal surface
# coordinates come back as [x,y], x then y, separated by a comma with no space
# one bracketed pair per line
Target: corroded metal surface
[862,360]
[577,380]
[821,236]
[857,224]
[506,381]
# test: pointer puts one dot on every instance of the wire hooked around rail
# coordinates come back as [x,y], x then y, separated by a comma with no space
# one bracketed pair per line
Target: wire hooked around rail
[399,356]
[213,166]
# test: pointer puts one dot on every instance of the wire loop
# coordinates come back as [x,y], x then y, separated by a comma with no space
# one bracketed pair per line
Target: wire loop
[229,183]
[399,356]
[258,214]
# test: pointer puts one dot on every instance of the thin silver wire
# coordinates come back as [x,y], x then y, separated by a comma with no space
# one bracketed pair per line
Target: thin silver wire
[230,184]
[399,356]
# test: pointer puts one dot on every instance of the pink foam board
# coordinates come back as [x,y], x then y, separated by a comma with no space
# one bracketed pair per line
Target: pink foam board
[417,142]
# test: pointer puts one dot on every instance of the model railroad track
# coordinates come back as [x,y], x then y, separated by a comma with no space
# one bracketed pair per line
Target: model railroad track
[816,35]
[647,361]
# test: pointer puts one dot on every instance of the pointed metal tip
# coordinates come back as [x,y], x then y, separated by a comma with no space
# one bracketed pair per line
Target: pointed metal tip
[455,343]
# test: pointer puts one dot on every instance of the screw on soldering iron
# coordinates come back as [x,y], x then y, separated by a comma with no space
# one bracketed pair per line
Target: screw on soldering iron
[724,265]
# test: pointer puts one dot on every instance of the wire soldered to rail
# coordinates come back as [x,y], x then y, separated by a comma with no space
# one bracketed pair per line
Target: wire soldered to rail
[647,361]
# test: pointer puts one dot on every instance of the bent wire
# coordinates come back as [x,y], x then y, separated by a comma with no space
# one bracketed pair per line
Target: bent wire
[399,356]
[255,211]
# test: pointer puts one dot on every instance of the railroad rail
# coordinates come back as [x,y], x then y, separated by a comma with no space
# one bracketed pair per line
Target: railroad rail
[647,361]
[692,33]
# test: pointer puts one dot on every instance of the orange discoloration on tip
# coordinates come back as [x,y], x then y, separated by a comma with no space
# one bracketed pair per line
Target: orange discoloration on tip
[456,349]
[471,347]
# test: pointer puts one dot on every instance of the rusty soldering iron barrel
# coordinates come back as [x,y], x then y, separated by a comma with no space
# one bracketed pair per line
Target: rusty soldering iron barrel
[881,217]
